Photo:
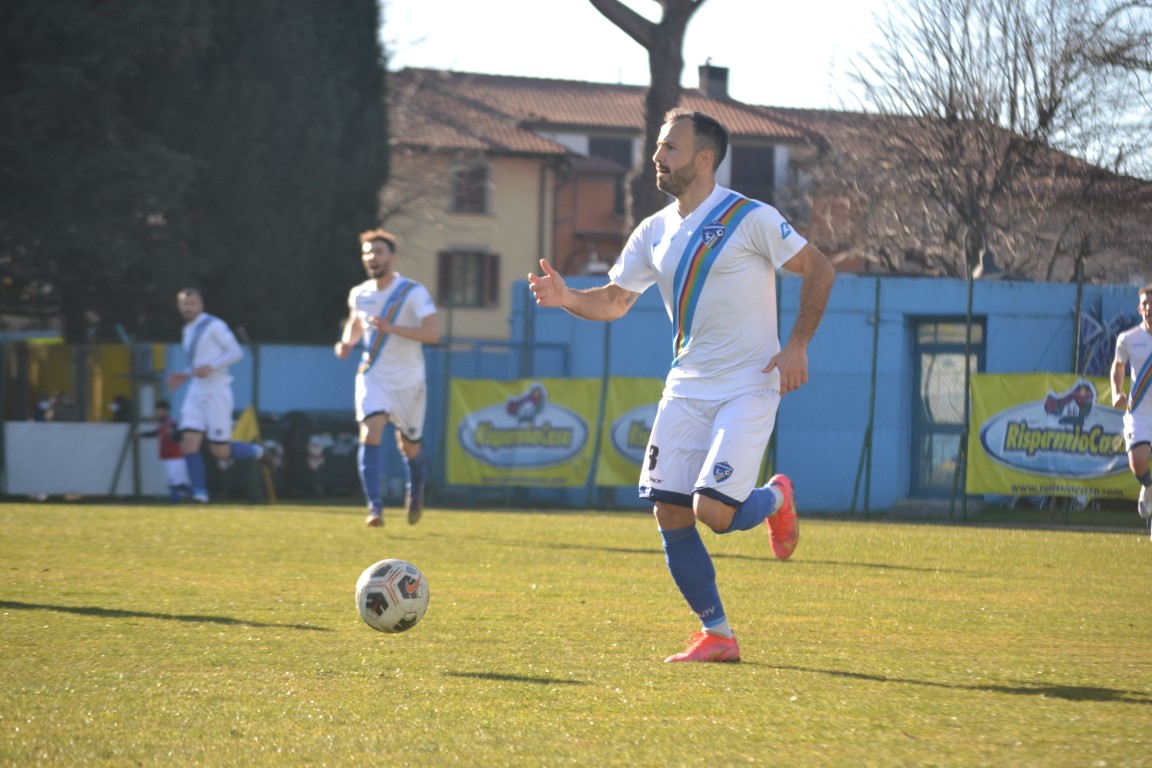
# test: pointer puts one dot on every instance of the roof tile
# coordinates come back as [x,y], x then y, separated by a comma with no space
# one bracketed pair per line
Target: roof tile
[472,111]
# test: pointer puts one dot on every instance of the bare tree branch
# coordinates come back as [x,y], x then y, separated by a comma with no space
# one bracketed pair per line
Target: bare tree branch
[664,42]
[975,98]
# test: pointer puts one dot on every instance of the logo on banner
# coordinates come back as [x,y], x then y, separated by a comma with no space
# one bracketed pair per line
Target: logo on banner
[1068,434]
[631,431]
[527,431]
[1073,406]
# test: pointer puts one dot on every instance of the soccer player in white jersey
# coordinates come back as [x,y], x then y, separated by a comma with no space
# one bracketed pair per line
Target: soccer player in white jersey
[713,255]
[394,317]
[211,349]
[1134,350]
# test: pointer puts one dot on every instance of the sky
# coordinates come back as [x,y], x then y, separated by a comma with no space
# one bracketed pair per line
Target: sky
[781,54]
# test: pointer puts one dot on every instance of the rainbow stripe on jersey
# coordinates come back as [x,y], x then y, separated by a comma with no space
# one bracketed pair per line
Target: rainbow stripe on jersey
[699,256]
[388,314]
[1141,384]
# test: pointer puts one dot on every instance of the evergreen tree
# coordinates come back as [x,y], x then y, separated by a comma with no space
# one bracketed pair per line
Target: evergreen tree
[236,147]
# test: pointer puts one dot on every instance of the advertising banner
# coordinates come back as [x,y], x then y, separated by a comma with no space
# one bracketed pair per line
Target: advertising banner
[535,433]
[1045,434]
[629,411]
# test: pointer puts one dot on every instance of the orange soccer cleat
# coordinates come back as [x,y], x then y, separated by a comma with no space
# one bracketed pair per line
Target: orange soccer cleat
[375,518]
[783,527]
[705,647]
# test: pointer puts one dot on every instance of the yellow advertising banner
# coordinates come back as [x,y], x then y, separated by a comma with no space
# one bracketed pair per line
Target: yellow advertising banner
[629,410]
[527,432]
[1046,434]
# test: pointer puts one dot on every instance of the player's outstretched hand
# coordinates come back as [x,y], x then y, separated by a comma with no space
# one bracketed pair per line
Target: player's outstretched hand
[549,289]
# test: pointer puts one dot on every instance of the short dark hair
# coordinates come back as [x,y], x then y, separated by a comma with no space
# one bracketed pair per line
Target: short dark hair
[707,132]
[164,404]
[373,235]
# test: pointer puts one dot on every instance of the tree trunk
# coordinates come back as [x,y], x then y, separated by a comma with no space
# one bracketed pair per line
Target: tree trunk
[665,45]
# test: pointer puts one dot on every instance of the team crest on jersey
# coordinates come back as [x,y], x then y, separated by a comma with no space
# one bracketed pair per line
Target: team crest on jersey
[785,230]
[722,471]
[712,234]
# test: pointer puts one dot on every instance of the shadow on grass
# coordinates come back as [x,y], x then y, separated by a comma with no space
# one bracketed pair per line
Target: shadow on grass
[516,678]
[658,552]
[116,613]
[1066,692]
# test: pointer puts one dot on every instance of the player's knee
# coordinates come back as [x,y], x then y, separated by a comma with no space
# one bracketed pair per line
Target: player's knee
[715,514]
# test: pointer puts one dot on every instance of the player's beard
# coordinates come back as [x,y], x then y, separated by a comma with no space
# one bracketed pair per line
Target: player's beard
[677,180]
[379,271]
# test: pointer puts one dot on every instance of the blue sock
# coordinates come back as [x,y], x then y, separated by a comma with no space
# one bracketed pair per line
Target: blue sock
[247,451]
[692,570]
[197,474]
[754,510]
[369,462]
[417,470]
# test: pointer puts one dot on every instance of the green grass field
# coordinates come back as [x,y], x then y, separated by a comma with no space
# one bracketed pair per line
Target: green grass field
[153,635]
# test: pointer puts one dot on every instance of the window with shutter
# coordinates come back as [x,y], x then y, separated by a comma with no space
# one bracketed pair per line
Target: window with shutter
[468,279]
[470,188]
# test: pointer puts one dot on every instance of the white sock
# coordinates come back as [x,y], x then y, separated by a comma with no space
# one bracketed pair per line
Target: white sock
[722,629]
[778,499]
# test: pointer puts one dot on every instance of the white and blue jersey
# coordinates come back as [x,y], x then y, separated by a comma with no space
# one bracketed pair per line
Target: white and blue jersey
[716,271]
[1134,349]
[391,361]
[208,340]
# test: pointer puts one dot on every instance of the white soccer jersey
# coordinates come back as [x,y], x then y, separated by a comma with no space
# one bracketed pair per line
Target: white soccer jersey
[208,340]
[1134,349]
[393,361]
[716,270]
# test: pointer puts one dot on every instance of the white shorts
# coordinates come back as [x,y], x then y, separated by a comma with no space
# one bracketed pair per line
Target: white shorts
[405,408]
[1137,429]
[177,472]
[714,447]
[209,412]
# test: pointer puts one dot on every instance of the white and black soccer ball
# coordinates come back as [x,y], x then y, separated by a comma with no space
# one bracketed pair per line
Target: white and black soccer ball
[392,595]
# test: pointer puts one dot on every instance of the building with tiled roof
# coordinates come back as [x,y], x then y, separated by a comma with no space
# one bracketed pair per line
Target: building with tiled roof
[1050,216]
[491,173]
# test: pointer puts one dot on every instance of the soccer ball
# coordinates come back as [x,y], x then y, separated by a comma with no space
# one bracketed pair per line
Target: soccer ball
[391,595]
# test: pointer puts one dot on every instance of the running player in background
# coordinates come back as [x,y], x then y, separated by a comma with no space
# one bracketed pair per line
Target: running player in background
[394,317]
[210,348]
[713,253]
[1134,350]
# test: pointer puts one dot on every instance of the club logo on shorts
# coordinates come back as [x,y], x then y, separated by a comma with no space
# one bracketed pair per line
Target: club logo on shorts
[712,234]
[721,471]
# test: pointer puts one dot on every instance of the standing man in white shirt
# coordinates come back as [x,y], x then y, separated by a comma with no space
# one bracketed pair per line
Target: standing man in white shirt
[713,253]
[211,349]
[1134,350]
[394,317]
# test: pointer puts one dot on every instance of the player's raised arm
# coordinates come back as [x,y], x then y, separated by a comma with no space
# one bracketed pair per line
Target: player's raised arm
[605,302]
